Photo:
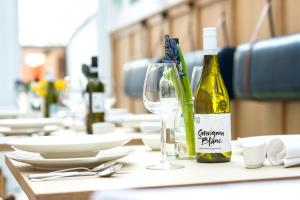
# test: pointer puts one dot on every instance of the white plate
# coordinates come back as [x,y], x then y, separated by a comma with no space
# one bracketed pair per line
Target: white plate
[135,120]
[9,114]
[37,161]
[69,145]
[27,131]
[9,131]
[30,123]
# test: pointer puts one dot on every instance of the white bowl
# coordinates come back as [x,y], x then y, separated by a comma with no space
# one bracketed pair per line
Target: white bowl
[103,127]
[254,154]
[147,127]
[152,141]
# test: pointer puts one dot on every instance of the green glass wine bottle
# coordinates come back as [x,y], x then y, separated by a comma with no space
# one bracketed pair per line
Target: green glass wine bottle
[94,95]
[51,98]
[212,107]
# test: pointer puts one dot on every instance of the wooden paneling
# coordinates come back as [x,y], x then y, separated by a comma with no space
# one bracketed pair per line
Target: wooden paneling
[292,117]
[186,21]
[158,26]
[291,16]
[139,43]
[257,118]
[211,15]
[247,14]
[182,25]
[121,55]
[234,124]
[140,50]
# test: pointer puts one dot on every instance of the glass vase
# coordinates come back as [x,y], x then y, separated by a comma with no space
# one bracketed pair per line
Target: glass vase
[180,138]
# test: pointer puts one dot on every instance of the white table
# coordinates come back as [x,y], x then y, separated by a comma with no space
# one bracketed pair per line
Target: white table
[194,177]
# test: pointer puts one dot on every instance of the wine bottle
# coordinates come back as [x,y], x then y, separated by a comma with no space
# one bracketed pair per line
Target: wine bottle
[94,95]
[51,98]
[212,107]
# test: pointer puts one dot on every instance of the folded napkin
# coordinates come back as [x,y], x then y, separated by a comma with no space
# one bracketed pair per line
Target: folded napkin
[284,151]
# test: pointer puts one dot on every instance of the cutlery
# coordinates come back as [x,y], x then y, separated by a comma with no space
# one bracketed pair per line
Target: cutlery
[72,171]
[110,171]
[105,173]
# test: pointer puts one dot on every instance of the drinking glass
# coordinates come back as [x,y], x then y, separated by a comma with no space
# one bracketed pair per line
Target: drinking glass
[161,95]
[110,97]
[73,98]
[196,77]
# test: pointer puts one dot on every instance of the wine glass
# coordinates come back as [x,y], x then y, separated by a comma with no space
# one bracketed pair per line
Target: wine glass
[196,77]
[161,95]
[110,97]
[73,98]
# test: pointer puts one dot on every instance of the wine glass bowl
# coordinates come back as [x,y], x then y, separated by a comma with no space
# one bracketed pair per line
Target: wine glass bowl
[161,95]
[196,77]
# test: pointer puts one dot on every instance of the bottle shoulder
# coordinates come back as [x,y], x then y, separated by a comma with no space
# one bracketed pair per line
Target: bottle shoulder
[211,95]
[95,85]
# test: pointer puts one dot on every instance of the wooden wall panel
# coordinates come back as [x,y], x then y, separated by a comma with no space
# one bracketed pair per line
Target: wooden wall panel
[292,117]
[157,28]
[291,16]
[211,15]
[257,118]
[182,25]
[248,117]
[247,13]
[121,55]
[234,133]
[140,50]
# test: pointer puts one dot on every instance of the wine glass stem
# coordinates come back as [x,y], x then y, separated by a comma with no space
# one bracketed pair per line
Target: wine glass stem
[163,139]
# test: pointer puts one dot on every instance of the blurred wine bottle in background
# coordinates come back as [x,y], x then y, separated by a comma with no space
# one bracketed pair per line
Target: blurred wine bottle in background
[51,98]
[94,95]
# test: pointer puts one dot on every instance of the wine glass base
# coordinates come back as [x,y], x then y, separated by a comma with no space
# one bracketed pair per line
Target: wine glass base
[164,166]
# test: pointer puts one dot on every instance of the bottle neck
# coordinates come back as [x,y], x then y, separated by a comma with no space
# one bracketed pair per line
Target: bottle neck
[210,52]
[50,84]
[211,64]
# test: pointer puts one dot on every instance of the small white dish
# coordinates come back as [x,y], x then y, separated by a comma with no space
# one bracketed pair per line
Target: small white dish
[152,141]
[254,154]
[37,161]
[69,146]
[103,127]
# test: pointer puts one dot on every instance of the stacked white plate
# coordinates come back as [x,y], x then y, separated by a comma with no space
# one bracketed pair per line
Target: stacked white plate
[57,152]
[4,114]
[135,120]
[28,126]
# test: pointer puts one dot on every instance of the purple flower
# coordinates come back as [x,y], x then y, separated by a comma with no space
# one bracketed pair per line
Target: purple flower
[171,50]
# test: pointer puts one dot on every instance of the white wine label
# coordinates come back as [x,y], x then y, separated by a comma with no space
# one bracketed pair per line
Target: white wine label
[87,99]
[97,102]
[213,133]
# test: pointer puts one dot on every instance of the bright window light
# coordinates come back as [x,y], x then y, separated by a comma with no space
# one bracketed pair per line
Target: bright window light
[52,22]
[35,59]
